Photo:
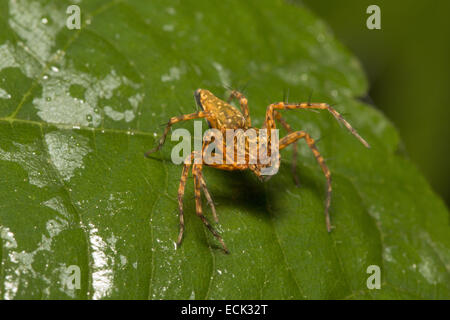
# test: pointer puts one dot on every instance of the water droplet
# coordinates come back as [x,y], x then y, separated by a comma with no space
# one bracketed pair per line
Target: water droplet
[168,27]
[48,99]
[45,77]
[44,20]
[54,69]
[89,118]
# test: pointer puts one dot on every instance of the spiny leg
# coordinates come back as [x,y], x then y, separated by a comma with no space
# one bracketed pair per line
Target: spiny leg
[293,137]
[181,188]
[184,176]
[196,171]
[173,120]
[244,105]
[295,149]
[269,122]
[208,197]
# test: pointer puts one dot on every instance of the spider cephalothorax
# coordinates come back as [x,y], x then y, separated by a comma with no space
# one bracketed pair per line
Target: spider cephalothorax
[224,117]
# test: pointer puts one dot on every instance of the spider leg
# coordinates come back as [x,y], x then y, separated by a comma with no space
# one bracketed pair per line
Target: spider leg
[181,188]
[208,196]
[293,137]
[196,171]
[173,120]
[184,176]
[269,123]
[244,105]
[295,149]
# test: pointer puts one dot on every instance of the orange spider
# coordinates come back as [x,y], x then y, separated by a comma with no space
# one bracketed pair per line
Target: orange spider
[222,116]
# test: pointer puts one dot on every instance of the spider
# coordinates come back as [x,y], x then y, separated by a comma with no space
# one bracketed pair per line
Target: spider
[222,115]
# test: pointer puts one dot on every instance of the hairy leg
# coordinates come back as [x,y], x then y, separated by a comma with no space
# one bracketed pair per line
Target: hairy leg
[173,120]
[184,176]
[269,122]
[294,147]
[196,171]
[208,197]
[244,105]
[292,138]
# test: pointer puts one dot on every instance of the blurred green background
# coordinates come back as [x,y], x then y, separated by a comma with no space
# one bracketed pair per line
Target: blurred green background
[407,63]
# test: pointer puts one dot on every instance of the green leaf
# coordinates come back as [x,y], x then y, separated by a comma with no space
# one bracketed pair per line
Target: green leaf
[78,108]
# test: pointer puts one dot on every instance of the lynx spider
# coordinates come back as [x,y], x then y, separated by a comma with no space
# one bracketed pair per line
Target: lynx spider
[222,115]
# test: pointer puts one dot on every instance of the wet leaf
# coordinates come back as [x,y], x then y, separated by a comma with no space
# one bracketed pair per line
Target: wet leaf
[78,108]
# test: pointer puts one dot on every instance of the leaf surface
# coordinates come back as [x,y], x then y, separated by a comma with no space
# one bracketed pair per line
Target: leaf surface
[78,108]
